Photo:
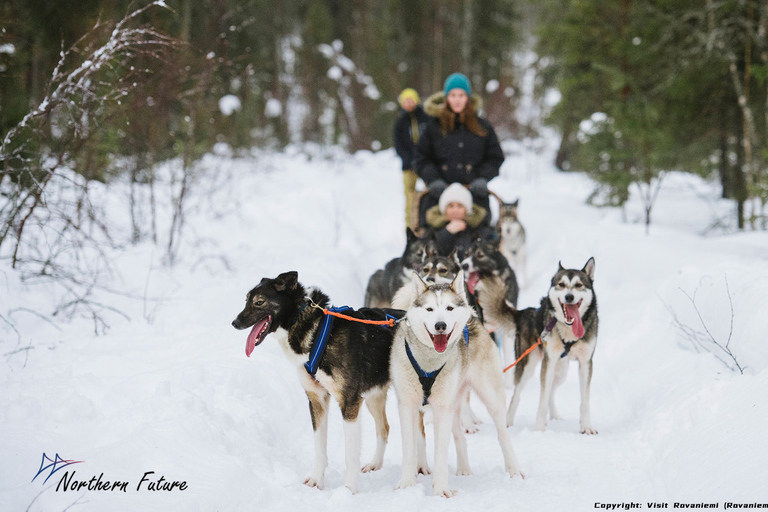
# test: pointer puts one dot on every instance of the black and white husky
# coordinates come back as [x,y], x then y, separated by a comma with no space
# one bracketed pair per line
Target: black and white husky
[384,283]
[353,367]
[512,235]
[439,351]
[566,322]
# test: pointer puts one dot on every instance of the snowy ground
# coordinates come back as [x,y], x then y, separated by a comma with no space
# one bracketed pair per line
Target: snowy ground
[171,391]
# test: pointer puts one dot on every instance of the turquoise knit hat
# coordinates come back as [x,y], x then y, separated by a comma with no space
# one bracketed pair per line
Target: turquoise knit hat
[457,81]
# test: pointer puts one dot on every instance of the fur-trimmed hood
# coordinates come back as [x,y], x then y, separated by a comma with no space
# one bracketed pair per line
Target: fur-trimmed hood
[434,104]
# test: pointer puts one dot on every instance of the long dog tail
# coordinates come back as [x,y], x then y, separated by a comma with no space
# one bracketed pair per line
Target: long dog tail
[491,294]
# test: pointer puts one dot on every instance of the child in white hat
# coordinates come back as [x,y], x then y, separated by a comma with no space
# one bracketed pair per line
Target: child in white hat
[455,219]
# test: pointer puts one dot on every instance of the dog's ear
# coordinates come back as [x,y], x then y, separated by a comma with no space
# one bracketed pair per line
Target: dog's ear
[589,268]
[410,236]
[454,256]
[419,286]
[458,284]
[517,201]
[287,281]
[560,266]
[431,251]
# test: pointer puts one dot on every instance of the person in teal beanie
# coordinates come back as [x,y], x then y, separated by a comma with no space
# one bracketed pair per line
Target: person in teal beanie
[457,146]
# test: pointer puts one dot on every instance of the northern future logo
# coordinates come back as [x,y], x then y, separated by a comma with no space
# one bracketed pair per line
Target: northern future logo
[56,464]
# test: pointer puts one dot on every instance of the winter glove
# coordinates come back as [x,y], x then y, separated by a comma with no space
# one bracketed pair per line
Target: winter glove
[479,188]
[437,187]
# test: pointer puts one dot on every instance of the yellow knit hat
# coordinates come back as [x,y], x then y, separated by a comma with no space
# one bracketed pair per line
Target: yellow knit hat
[408,94]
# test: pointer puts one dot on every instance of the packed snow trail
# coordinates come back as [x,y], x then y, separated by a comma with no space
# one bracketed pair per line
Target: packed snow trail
[172,392]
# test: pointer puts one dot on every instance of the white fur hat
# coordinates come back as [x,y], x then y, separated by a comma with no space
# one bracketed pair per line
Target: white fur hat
[456,193]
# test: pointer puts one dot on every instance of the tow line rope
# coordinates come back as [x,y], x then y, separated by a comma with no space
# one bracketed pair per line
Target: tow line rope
[335,312]
[318,348]
[531,349]
[548,328]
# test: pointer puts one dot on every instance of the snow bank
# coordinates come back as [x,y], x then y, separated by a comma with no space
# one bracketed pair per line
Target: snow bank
[171,391]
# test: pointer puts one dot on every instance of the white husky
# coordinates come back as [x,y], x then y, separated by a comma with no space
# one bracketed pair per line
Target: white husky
[439,351]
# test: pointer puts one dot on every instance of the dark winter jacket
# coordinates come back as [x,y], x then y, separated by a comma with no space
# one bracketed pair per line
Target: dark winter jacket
[403,135]
[447,241]
[459,156]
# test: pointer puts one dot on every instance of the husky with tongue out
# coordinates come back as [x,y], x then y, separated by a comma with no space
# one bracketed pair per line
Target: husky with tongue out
[566,322]
[343,359]
[439,352]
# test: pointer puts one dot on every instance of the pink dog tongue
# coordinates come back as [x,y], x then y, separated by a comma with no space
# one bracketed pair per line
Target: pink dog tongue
[573,312]
[440,341]
[253,337]
[472,281]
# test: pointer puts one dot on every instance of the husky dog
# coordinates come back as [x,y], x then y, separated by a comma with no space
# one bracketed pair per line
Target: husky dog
[354,365]
[384,283]
[512,236]
[566,321]
[483,261]
[438,352]
[442,270]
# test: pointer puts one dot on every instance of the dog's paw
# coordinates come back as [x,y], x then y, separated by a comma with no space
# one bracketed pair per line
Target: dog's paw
[443,491]
[463,471]
[540,427]
[311,481]
[587,429]
[555,416]
[424,469]
[406,482]
[471,428]
[373,466]
[515,471]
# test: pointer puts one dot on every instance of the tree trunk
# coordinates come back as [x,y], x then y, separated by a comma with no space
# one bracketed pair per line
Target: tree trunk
[437,38]
[466,37]
[564,150]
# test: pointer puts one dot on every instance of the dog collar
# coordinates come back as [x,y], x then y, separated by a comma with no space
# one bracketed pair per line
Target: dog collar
[318,347]
[301,310]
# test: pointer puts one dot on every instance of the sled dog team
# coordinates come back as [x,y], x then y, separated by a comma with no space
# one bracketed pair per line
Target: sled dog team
[426,338]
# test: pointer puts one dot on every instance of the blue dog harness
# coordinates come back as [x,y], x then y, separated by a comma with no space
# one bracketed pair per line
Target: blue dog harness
[427,379]
[318,347]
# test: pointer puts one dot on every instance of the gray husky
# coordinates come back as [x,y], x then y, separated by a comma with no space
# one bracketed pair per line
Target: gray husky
[512,235]
[384,283]
[566,322]
[438,352]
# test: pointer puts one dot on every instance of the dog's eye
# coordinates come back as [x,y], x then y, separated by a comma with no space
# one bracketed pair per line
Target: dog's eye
[425,269]
[561,285]
[430,309]
[443,270]
[449,308]
[578,285]
[258,302]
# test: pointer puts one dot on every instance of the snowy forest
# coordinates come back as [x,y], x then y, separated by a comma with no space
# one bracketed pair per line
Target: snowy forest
[159,158]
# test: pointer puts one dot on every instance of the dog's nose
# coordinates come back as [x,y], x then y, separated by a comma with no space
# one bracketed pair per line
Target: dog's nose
[431,279]
[235,324]
[569,297]
[465,266]
[440,326]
